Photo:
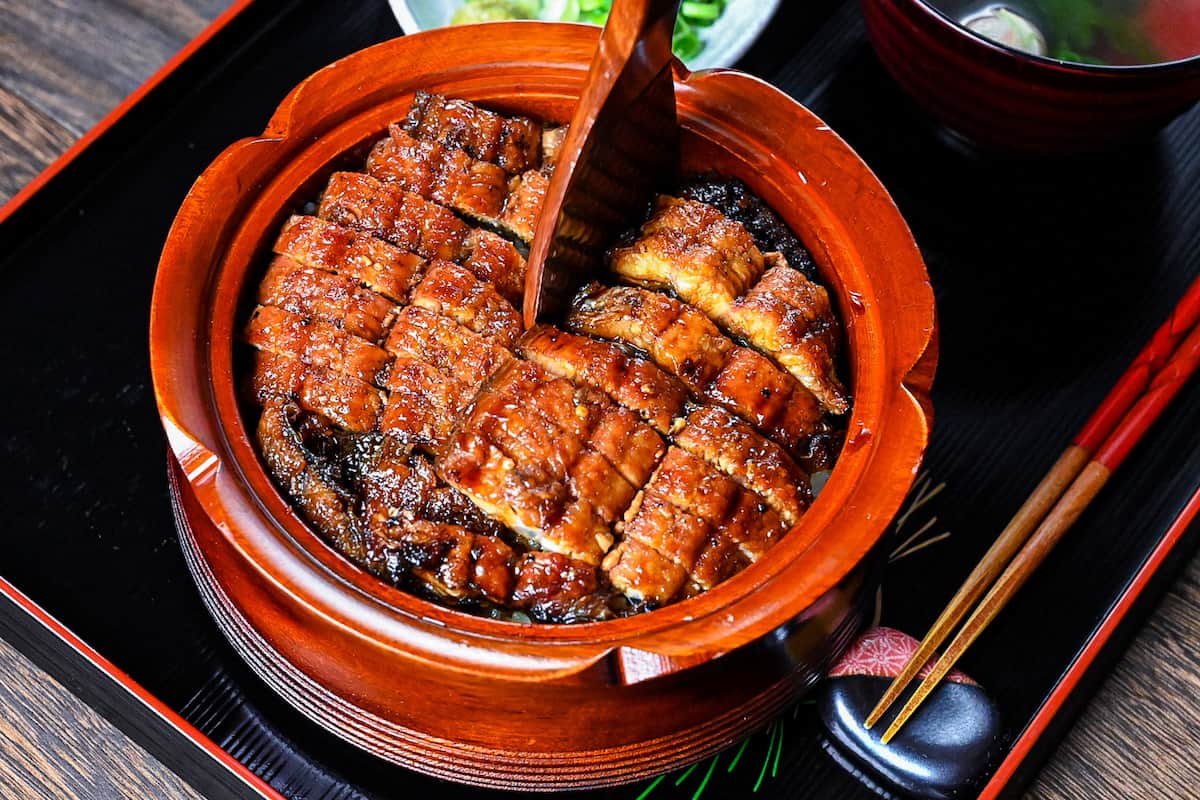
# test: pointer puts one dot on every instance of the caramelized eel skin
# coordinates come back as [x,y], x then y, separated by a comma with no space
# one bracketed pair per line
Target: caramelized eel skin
[658,445]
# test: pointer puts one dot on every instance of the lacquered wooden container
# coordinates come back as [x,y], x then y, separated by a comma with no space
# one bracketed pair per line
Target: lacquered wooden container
[497,703]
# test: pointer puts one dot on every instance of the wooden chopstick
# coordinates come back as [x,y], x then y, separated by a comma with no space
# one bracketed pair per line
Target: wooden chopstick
[1153,378]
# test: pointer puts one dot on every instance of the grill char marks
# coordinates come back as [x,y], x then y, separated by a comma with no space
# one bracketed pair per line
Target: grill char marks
[512,143]
[790,317]
[772,400]
[322,502]
[684,342]
[345,401]
[439,367]
[359,256]
[632,382]
[676,336]
[512,461]
[455,292]
[412,223]
[691,528]
[756,463]
[327,296]
[476,189]
[441,174]
[711,262]
[695,250]
[387,211]
[317,343]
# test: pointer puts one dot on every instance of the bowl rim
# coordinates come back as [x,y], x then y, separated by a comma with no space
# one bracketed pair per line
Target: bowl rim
[289,540]
[1059,64]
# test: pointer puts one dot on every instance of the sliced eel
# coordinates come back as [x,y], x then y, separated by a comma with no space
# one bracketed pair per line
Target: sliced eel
[772,400]
[735,200]
[790,318]
[755,462]
[439,366]
[445,175]
[711,261]
[321,344]
[513,143]
[451,348]
[552,586]
[494,259]
[526,454]
[388,212]
[374,263]
[684,343]
[691,248]
[455,292]
[676,336]
[523,205]
[635,383]
[327,296]
[346,401]
[323,502]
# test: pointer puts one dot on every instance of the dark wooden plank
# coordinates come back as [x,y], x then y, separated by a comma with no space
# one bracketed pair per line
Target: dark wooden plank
[29,140]
[1137,738]
[55,746]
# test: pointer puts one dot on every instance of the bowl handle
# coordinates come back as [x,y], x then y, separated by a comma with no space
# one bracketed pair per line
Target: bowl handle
[632,665]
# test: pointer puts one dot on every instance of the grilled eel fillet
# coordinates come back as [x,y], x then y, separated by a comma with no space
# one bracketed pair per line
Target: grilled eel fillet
[561,446]
[689,529]
[711,261]
[685,343]
[411,223]
[450,177]
[557,464]
[410,524]
[511,143]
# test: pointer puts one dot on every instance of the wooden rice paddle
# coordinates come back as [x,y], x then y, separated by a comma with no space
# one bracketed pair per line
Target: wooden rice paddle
[623,141]
[1143,391]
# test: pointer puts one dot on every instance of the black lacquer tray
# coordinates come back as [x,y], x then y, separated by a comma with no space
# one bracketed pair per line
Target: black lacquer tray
[1049,275]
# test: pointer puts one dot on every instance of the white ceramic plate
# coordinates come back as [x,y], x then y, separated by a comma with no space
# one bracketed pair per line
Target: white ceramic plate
[725,41]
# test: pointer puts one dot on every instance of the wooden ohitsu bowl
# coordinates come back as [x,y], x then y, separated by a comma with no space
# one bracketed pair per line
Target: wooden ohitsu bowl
[497,703]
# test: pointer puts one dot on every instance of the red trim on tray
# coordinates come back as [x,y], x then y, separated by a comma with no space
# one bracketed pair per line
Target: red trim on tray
[1083,661]
[64,634]
[110,119]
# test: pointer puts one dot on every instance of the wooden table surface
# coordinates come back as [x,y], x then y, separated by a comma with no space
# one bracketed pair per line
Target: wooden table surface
[63,64]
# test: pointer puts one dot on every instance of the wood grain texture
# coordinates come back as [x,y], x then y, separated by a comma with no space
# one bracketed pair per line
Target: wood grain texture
[63,64]
[55,746]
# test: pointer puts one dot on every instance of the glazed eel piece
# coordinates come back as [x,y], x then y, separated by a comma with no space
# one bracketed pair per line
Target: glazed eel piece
[686,344]
[439,366]
[411,223]
[450,177]
[510,142]
[711,261]
[691,528]
[353,254]
[318,343]
[556,463]
[633,382]
[417,527]
[337,299]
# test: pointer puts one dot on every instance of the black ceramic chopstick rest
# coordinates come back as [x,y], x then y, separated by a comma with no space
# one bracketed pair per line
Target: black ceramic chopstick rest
[942,752]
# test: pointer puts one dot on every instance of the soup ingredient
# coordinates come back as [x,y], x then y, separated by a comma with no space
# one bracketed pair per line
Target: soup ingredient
[1103,32]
